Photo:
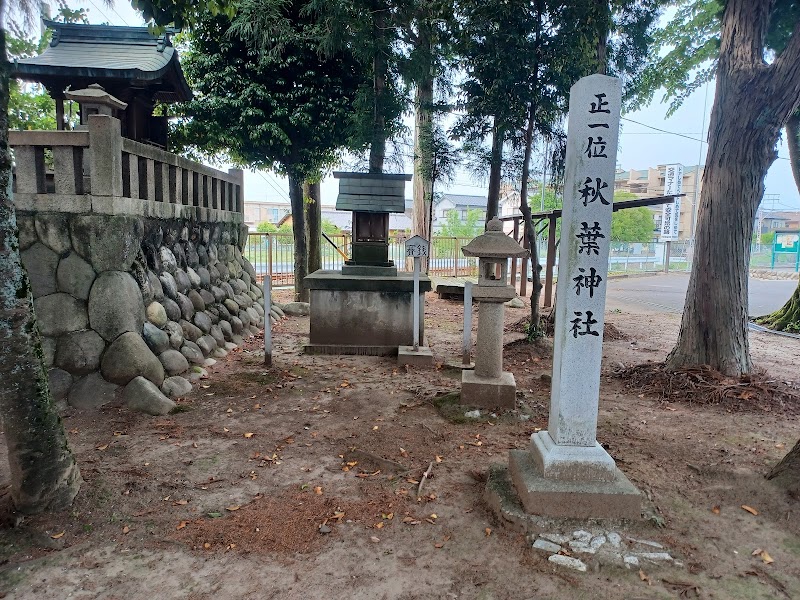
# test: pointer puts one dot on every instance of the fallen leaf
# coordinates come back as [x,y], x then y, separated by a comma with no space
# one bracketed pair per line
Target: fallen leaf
[749,509]
[780,446]
[766,557]
[318,490]
[206,545]
[180,502]
[225,429]
[126,529]
[439,458]
[715,509]
[58,536]
[375,539]
[233,507]
[438,545]
[182,524]
[375,428]
[103,447]
[488,531]
[378,525]
[248,435]
[645,577]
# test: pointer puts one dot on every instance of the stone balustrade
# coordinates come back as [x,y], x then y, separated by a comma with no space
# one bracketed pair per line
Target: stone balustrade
[98,171]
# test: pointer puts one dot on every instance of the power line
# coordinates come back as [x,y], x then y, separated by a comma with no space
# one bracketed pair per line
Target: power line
[281,193]
[114,8]
[683,135]
[105,16]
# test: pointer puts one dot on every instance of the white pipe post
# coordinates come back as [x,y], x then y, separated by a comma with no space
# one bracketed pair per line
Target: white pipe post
[267,288]
[416,303]
[467,349]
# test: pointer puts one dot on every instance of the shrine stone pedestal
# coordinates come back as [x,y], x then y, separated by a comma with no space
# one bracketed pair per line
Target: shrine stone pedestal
[362,314]
[566,473]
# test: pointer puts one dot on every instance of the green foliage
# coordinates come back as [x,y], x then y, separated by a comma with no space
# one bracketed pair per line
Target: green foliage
[289,110]
[267,227]
[632,225]
[470,227]
[29,105]
[768,238]
[687,49]
[330,228]
[182,13]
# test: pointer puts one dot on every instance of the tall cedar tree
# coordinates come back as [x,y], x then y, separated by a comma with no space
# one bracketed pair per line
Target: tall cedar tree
[754,99]
[44,474]
[286,108]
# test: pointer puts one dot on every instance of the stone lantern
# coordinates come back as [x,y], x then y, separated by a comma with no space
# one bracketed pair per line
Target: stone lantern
[488,385]
[94,100]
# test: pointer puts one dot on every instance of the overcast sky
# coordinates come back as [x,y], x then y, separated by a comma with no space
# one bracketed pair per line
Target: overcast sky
[640,146]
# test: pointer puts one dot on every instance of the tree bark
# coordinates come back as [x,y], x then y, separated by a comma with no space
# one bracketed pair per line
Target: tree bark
[300,242]
[752,103]
[788,317]
[495,173]
[534,330]
[604,26]
[44,474]
[313,208]
[377,148]
[793,141]
[423,126]
[787,471]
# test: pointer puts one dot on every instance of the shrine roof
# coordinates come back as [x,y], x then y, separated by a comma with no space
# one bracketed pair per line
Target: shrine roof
[79,55]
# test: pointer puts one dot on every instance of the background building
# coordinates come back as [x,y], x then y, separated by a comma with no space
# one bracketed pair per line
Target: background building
[647,183]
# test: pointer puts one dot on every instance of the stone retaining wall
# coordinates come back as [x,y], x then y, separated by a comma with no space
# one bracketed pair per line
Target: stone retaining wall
[146,303]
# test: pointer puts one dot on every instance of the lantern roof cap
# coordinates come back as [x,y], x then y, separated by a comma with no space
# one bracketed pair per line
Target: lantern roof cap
[494,243]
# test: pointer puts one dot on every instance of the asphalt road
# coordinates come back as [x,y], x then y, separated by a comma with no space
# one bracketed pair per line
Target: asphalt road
[666,293]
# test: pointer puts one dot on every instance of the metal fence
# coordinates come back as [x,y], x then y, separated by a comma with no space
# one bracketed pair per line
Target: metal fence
[273,253]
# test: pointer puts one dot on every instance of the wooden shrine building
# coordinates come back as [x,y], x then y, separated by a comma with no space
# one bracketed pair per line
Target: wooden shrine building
[129,63]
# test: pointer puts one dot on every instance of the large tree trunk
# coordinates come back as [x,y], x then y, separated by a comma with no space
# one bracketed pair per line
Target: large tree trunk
[495,173]
[300,242]
[793,141]
[529,231]
[313,209]
[44,474]
[423,129]
[788,317]
[787,471]
[603,18]
[751,105]
[377,148]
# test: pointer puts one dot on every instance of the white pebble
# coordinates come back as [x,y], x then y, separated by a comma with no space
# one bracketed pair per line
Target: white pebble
[569,562]
[556,538]
[655,556]
[541,544]
[614,539]
[582,536]
[631,561]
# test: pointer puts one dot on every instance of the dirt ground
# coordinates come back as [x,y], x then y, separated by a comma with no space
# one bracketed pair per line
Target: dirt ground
[226,498]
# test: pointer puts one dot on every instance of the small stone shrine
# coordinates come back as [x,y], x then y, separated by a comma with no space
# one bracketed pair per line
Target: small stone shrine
[367,306]
[566,472]
[488,386]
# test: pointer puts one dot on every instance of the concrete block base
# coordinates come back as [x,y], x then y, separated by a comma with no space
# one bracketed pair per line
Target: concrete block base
[617,499]
[571,463]
[488,392]
[350,349]
[422,357]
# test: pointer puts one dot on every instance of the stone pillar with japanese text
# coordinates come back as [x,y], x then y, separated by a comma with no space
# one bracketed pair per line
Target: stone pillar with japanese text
[566,472]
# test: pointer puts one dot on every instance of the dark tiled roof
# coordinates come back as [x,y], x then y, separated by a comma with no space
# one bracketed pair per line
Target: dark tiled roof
[84,54]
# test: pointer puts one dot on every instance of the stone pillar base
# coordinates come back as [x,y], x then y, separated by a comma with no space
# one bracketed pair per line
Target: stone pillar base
[571,463]
[422,357]
[488,392]
[548,497]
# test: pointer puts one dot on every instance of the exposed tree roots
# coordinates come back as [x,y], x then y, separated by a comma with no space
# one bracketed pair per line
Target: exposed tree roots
[704,385]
